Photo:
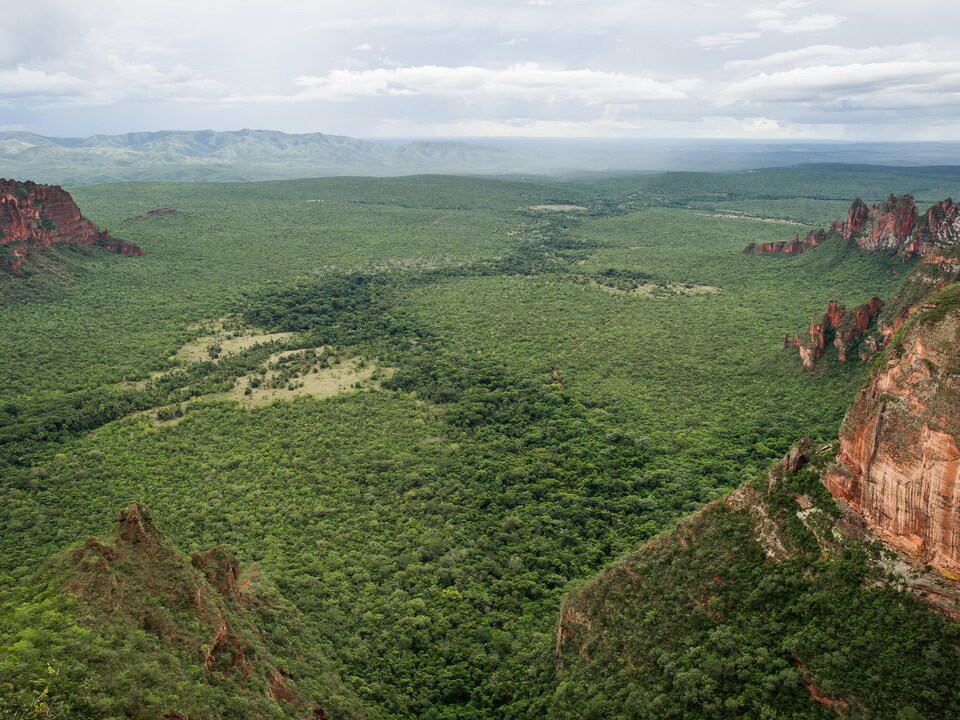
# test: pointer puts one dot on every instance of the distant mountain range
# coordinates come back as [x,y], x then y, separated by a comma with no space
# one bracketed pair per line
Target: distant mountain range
[208,155]
[236,155]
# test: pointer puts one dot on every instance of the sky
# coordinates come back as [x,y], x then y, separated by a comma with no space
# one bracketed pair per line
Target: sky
[845,70]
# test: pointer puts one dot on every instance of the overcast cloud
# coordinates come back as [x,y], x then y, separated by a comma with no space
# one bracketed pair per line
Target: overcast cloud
[679,68]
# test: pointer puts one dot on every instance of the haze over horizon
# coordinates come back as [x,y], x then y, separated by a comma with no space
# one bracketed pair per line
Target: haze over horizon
[794,69]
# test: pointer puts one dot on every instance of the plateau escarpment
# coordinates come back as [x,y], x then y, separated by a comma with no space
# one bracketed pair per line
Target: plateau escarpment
[801,594]
[899,461]
[36,218]
[930,242]
[893,225]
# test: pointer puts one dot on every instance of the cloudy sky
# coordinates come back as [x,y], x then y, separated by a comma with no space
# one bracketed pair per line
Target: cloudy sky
[848,69]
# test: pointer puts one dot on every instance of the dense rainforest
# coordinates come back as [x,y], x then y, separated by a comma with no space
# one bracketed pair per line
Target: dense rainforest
[423,412]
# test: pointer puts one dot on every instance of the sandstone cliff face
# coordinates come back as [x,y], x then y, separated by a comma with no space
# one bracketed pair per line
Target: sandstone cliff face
[885,226]
[34,218]
[856,219]
[839,328]
[752,576]
[899,461]
[888,225]
[894,225]
[810,240]
[938,227]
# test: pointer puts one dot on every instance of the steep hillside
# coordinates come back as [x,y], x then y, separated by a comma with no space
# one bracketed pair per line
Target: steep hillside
[779,601]
[131,627]
[35,219]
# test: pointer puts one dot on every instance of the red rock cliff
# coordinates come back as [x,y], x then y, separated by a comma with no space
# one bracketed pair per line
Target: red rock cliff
[36,217]
[893,225]
[899,460]
[844,329]
[856,219]
[938,227]
[889,224]
[798,246]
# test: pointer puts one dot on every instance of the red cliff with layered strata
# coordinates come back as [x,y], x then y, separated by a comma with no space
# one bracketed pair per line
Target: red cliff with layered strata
[837,327]
[796,247]
[889,226]
[894,225]
[899,460]
[35,218]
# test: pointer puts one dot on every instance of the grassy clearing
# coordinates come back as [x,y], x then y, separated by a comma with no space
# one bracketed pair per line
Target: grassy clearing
[557,208]
[223,344]
[658,289]
[732,215]
[271,385]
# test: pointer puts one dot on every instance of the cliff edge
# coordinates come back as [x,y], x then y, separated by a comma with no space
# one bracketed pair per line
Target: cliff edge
[829,588]
[36,218]
[899,461]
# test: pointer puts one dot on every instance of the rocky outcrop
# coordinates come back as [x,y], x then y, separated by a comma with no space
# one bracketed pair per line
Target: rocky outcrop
[837,328]
[889,226]
[811,240]
[198,611]
[894,226]
[884,226]
[899,460]
[35,218]
[220,568]
[938,227]
[153,213]
[798,456]
[856,219]
[135,524]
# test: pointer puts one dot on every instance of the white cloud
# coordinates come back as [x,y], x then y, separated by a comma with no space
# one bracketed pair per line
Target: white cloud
[525,82]
[779,18]
[119,82]
[597,66]
[725,40]
[22,82]
[515,127]
[807,23]
[831,83]
[763,126]
[832,55]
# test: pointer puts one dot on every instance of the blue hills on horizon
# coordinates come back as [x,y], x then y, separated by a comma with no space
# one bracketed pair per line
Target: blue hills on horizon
[245,155]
